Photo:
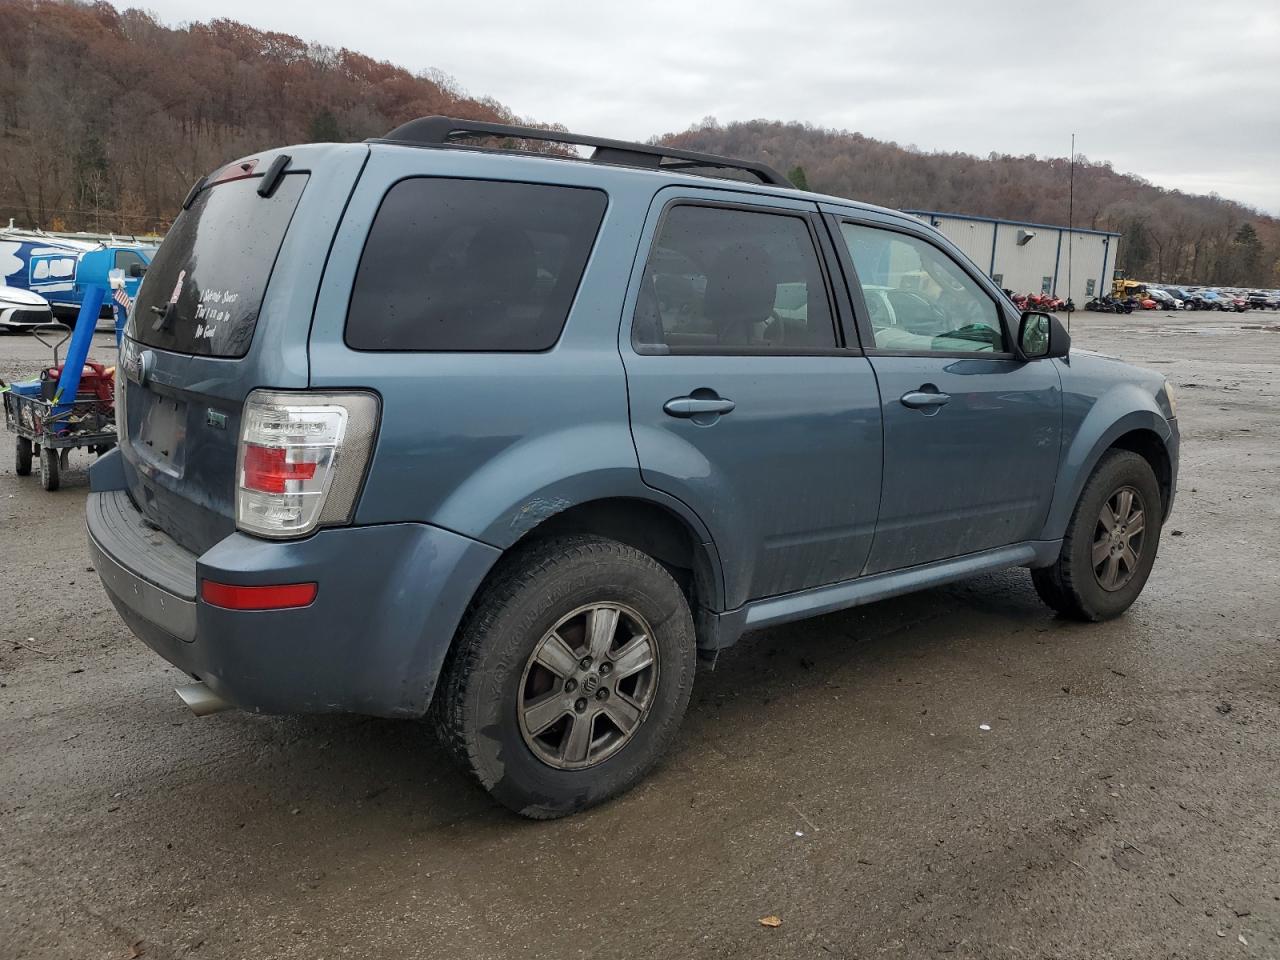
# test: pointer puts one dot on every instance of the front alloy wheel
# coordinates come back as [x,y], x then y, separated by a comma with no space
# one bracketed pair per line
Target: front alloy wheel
[1118,536]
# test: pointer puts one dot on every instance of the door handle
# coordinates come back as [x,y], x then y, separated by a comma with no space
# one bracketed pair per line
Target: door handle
[924,399]
[686,407]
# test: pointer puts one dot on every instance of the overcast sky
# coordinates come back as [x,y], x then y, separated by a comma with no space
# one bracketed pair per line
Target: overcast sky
[1185,94]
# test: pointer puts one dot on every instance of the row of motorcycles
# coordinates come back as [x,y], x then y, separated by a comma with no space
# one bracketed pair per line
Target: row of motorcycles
[1109,304]
[1041,301]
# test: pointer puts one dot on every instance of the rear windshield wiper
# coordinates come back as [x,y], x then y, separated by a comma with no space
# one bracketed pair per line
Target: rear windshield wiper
[164,318]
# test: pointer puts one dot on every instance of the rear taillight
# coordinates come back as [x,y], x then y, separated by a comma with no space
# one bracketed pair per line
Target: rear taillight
[302,459]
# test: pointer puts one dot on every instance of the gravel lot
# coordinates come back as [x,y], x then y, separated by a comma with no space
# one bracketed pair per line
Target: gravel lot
[833,773]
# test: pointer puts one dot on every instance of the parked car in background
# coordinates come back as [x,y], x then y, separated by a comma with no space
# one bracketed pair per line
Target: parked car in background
[1165,299]
[1262,300]
[21,309]
[60,268]
[1205,300]
[1233,302]
[509,439]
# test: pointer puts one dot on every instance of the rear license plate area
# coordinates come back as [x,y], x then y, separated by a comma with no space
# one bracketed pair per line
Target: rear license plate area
[162,432]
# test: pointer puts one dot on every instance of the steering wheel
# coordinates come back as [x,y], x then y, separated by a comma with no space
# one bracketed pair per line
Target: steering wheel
[976,332]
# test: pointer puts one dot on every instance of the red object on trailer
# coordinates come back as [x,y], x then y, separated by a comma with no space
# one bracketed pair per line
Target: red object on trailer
[97,383]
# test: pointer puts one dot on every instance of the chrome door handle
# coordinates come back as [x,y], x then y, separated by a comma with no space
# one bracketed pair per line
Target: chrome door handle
[917,399]
[686,407]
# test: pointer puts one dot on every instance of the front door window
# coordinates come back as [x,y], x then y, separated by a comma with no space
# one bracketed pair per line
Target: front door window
[919,299]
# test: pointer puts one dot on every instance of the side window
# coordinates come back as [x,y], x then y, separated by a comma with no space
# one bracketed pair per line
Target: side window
[918,298]
[127,258]
[723,280]
[472,265]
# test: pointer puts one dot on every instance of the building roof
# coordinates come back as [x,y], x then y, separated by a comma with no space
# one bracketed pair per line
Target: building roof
[1011,223]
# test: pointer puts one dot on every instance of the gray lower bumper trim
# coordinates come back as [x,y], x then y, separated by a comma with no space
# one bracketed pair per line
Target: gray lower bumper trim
[166,610]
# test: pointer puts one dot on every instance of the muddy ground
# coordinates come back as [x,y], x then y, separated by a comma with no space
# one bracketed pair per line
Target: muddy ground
[1124,803]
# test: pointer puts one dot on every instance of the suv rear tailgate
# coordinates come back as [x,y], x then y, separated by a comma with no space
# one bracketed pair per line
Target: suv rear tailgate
[225,308]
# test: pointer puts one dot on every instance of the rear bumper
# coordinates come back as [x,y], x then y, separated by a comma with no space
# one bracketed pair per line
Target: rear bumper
[389,600]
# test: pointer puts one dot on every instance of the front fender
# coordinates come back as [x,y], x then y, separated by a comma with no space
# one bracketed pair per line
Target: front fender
[1121,410]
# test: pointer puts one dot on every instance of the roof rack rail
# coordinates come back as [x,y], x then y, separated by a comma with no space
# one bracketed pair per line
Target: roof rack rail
[442,131]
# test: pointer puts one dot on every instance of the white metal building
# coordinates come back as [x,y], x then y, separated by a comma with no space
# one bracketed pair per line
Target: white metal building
[1033,257]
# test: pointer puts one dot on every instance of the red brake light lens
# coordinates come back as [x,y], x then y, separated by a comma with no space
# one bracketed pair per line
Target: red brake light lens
[278,596]
[269,470]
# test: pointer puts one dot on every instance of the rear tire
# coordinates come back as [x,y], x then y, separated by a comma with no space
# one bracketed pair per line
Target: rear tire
[49,468]
[496,691]
[1110,544]
[22,457]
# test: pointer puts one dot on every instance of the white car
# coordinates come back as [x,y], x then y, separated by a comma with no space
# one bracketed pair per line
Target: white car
[21,309]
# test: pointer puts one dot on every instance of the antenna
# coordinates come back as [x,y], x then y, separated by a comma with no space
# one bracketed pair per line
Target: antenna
[1071,210]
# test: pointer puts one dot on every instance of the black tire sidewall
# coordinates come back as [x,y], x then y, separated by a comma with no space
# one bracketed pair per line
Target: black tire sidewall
[1120,468]
[22,457]
[49,468]
[502,761]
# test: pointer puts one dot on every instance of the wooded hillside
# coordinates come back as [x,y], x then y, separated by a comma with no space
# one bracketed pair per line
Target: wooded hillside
[1168,235]
[107,118]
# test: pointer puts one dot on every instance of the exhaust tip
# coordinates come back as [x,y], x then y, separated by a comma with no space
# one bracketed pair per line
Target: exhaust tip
[200,699]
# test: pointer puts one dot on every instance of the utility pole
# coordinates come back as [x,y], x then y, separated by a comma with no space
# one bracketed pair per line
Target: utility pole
[1071,210]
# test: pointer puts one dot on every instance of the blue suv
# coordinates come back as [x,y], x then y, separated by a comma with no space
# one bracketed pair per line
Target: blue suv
[506,438]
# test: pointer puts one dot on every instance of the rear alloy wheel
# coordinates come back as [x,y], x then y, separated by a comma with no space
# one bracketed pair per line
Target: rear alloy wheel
[569,677]
[1110,544]
[588,685]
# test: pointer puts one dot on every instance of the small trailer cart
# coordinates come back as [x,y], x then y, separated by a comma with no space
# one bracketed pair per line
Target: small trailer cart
[49,427]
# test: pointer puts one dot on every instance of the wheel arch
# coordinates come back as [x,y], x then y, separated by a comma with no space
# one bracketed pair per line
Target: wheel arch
[1143,431]
[655,528]
[659,529]
[1151,447]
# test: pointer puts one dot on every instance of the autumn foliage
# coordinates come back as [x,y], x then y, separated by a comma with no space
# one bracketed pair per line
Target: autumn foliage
[1169,236]
[108,117]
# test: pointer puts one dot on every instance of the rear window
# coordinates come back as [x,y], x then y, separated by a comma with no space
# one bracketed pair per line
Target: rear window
[472,265]
[204,288]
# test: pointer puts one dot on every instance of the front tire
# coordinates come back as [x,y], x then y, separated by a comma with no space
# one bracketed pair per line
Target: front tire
[1110,544]
[49,478]
[569,676]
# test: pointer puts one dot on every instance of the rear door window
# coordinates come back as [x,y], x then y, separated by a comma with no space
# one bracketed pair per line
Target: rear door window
[730,280]
[203,290]
[472,265]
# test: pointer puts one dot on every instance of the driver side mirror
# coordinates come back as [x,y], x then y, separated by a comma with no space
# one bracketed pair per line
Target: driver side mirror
[1042,336]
